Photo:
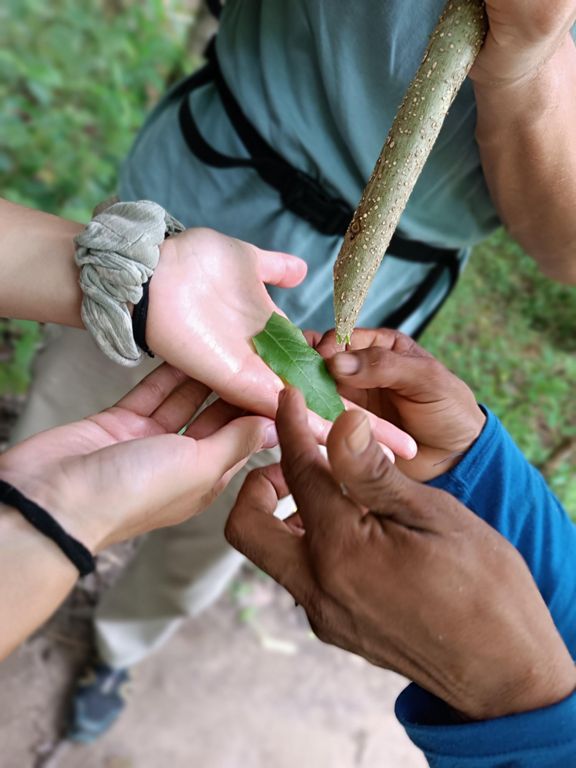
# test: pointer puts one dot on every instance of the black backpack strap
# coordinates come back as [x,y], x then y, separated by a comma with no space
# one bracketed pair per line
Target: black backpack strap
[197,144]
[215,7]
[446,261]
[301,193]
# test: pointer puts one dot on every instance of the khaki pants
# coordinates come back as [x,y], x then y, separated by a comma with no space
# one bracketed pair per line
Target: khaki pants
[176,572]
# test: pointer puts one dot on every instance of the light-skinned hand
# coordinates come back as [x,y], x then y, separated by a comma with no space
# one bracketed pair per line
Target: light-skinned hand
[208,299]
[126,471]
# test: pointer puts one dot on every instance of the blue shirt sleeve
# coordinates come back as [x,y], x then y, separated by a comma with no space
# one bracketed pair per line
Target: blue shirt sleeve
[495,481]
[500,486]
[545,738]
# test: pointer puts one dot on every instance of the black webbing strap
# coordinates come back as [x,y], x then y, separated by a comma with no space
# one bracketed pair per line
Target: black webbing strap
[140,320]
[215,7]
[403,312]
[301,193]
[40,519]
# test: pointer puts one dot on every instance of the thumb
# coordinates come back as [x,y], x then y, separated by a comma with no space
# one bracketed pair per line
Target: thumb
[369,478]
[412,375]
[281,269]
[232,445]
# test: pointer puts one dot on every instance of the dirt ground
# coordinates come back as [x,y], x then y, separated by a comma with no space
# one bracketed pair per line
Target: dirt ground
[244,686]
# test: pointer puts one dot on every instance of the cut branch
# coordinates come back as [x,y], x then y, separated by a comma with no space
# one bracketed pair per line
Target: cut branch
[453,48]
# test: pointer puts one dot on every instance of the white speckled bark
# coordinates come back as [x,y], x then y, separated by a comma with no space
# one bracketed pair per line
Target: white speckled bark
[452,50]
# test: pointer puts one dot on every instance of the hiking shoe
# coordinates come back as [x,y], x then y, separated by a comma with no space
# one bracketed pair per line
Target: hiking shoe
[99,699]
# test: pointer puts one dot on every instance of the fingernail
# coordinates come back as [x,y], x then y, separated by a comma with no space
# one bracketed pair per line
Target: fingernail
[388,453]
[358,440]
[345,364]
[270,437]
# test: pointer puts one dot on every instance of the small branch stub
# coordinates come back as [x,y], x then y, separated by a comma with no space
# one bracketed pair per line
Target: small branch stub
[451,52]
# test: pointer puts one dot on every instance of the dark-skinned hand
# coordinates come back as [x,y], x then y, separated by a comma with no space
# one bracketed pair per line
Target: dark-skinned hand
[389,374]
[400,573]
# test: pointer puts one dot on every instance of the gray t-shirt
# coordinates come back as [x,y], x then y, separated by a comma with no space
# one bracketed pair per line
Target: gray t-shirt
[322,79]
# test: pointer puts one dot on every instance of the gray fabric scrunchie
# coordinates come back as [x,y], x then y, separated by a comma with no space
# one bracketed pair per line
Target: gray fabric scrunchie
[117,253]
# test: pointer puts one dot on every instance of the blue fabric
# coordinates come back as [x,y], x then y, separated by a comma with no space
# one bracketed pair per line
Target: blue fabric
[498,484]
[545,738]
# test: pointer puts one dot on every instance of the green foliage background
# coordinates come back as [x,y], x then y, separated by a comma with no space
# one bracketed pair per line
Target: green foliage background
[76,80]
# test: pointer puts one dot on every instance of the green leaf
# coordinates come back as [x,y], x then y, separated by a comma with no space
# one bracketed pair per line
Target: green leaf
[283,348]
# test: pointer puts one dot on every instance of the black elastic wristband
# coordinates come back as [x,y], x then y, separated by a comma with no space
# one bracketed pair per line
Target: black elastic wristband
[139,318]
[45,523]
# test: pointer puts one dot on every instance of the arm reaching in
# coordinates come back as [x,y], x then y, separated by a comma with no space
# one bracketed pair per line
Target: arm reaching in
[39,276]
[401,573]
[113,476]
[207,299]
[525,86]
[407,577]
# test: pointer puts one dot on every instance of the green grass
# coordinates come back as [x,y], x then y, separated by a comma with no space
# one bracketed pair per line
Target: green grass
[19,341]
[509,332]
[76,80]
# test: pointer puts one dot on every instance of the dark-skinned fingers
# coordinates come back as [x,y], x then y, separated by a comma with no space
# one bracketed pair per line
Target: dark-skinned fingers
[393,439]
[151,392]
[362,338]
[317,496]
[295,522]
[260,493]
[357,461]
[413,376]
[359,464]
[267,541]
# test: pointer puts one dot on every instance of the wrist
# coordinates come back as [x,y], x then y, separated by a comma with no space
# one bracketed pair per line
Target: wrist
[501,71]
[161,295]
[17,533]
[42,283]
[60,494]
[528,94]
[118,252]
[471,429]
[432,462]
[550,679]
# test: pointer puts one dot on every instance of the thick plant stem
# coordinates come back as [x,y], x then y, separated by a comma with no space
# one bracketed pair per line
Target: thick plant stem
[453,48]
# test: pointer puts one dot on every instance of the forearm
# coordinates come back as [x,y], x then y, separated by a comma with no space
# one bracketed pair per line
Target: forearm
[35,577]
[496,481]
[525,136]
[39,277]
